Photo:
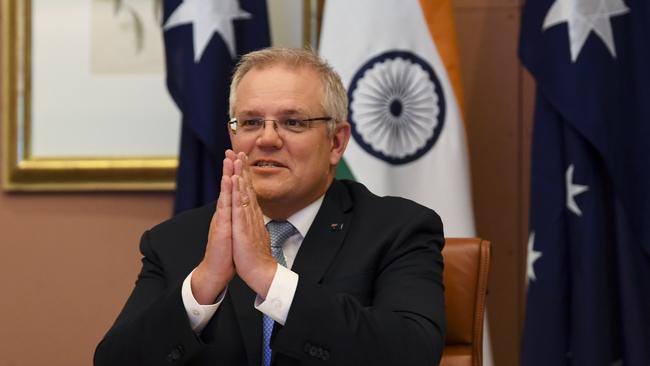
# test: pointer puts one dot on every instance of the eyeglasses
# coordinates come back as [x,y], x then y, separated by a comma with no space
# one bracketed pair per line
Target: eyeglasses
[290,124]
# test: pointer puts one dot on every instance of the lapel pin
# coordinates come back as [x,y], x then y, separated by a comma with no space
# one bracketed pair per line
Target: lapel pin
[336,227]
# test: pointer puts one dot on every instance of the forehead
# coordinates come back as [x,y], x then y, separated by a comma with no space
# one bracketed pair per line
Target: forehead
[280,87]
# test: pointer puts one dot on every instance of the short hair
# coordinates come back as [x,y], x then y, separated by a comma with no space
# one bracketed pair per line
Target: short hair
[335,101]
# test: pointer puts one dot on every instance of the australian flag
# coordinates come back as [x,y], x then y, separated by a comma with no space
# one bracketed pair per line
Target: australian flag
[203,39]
[588,297]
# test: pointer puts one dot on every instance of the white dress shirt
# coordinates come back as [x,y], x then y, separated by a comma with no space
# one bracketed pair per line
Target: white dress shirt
[283,287]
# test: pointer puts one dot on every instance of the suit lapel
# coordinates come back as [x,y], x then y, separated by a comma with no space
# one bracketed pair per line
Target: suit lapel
[250,319]
[325,235]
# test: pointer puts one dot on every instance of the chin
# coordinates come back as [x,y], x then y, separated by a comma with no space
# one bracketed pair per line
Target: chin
[269,192]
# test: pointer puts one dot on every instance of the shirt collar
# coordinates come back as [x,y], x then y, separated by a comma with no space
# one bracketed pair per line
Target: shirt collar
[303,219]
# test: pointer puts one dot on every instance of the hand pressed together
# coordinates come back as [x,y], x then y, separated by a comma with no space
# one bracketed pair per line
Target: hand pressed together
[238,241]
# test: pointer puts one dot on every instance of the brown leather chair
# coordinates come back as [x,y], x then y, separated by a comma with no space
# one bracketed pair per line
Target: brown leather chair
[467,261]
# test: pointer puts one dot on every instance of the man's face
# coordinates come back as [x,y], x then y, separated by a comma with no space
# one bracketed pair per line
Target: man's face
[288,170]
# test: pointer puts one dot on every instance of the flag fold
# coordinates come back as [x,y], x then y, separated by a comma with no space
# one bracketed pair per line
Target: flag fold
[588,274]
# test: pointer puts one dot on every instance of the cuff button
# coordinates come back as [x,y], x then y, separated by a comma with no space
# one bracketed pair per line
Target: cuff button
[313,351]
[326,355]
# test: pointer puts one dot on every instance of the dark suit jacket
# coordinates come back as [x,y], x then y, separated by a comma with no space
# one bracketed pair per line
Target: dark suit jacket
[370,293]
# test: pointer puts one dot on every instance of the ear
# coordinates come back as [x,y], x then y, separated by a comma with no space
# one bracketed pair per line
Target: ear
[339,142]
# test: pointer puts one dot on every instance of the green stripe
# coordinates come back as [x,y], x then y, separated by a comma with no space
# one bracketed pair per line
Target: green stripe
[343,171]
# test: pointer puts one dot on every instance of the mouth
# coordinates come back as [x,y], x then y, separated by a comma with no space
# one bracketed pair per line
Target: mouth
[266,164]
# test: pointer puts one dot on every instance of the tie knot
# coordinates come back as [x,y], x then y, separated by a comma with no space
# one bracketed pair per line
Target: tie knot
[279,232]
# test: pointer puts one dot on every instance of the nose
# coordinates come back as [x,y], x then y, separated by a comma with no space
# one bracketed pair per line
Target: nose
[269,136]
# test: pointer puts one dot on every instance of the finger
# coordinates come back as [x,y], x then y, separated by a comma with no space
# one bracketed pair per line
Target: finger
[240,184]
[254,213]
[246,171]
[243,195]
[238,167]
[239,201]
[239,205]
[252,196]
[248,200]
[223,214]
[220,224]
[235,203]
[225,196]
[231,155]
[227,167]
[246,177]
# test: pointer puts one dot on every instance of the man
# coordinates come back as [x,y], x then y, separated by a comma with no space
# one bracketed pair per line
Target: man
[352,279]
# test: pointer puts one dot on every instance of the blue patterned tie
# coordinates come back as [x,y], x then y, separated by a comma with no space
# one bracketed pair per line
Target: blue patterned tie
[279,231]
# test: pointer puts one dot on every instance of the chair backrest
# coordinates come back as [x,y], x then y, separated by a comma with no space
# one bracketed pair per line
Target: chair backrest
[467,262]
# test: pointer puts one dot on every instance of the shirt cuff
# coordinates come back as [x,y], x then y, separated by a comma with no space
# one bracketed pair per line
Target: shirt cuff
[280,296]
[199,315]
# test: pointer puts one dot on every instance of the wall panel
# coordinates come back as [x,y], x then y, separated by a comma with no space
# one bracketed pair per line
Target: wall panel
[492,79]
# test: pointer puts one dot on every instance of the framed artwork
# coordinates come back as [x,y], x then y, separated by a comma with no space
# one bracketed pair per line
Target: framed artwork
[84,101]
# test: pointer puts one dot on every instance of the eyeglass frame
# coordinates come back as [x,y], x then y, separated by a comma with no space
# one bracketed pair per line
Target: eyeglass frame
[232,123]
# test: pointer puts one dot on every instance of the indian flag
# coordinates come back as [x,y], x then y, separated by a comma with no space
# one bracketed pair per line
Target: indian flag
[398,59]
[399,62]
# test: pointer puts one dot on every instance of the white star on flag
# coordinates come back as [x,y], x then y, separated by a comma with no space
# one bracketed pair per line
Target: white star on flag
[208,17]
[532,256]
[572,190]
[584,16]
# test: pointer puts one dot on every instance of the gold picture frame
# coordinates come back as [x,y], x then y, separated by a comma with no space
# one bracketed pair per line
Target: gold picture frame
[21,171]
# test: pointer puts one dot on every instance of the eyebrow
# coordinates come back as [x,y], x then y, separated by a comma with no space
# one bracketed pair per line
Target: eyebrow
[284,112]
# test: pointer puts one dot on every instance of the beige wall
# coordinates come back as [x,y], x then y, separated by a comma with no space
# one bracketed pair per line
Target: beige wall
[68,261]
